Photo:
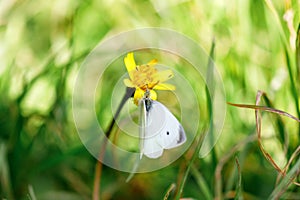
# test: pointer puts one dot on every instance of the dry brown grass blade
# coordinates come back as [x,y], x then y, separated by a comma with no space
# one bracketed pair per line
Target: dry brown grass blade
[98,173]
[258,128]
[265,108]
[258,108]
[170,189]
[293,157]
[224,160]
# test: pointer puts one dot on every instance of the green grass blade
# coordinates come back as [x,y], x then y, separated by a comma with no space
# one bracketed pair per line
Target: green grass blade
[289,57]
[286,181]
[238,194]
[209,91]
[293,85]
[186,174]
[298,52]
[201,183]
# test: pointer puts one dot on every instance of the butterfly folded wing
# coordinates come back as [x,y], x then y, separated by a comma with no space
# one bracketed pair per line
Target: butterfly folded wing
[172,133]
[152,149]
[142,122]
[148,128]
[159,129]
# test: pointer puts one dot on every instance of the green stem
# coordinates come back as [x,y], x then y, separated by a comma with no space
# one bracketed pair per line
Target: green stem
[98,168]
[129,93]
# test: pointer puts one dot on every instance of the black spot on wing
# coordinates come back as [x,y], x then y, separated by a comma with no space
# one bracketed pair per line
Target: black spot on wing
[182,137]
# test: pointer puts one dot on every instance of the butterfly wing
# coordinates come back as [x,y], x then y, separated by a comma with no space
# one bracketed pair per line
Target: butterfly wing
[172,133]
[148,144]
[161,130]
[142,122]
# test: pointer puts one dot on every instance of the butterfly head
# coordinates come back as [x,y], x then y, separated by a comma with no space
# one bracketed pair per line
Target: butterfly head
[147,100]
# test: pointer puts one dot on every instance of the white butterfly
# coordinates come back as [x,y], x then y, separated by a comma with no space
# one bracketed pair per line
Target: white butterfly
[159,129]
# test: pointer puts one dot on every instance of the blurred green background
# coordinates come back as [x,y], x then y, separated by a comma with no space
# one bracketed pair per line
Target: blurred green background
[42,45]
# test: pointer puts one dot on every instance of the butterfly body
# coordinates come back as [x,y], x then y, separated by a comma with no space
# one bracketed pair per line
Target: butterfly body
[159,129]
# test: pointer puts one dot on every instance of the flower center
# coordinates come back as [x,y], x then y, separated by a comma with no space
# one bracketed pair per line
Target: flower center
[144,77]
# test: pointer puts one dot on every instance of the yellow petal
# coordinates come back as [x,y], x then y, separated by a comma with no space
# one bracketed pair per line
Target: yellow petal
[138,94]
[164,86]
[164,75]
[128,82]
[153,95]
[152,62]
[129,62]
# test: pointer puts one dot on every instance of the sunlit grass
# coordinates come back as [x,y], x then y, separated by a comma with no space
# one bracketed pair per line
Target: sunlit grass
[42,45]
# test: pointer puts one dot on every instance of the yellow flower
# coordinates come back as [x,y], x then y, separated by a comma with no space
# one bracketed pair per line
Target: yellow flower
[146,77]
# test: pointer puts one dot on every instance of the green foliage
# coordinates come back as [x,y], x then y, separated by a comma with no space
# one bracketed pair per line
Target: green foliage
[43,43]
